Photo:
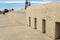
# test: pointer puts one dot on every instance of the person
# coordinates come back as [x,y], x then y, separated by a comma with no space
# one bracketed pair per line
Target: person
[12,9]
[5,11]
[26,4]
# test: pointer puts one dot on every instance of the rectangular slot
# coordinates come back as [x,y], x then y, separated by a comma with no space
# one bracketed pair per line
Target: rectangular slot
[57,30]
[35,23]
[29,21]
[43,25]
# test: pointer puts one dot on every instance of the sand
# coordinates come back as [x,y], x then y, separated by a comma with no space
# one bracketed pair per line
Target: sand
[15,30]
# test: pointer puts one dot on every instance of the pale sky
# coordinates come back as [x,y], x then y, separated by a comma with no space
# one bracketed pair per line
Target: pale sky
[23,1]
[30,0]
[20,4]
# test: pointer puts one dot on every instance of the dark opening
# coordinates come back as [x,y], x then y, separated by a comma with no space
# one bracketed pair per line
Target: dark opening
[57,30]
[29,21]
[35,23]
[43,25]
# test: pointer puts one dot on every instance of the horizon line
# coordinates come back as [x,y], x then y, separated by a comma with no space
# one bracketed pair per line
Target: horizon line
[24,1]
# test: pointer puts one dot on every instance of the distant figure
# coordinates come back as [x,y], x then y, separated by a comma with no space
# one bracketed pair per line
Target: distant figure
[5,11]
[12,9]
[27,4]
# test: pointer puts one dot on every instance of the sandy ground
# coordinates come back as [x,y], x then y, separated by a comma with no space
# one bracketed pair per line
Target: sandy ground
[4,21]
[8,31]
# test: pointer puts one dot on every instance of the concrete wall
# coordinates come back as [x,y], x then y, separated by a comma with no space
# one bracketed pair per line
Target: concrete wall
[50,12]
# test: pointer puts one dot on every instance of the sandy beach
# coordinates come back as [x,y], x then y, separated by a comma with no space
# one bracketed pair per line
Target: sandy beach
[13,29]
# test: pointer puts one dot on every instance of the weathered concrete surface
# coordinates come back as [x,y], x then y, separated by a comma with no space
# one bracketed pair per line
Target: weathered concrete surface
[50,12]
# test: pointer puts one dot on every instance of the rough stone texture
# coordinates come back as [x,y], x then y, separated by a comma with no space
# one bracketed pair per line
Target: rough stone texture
[50,12]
